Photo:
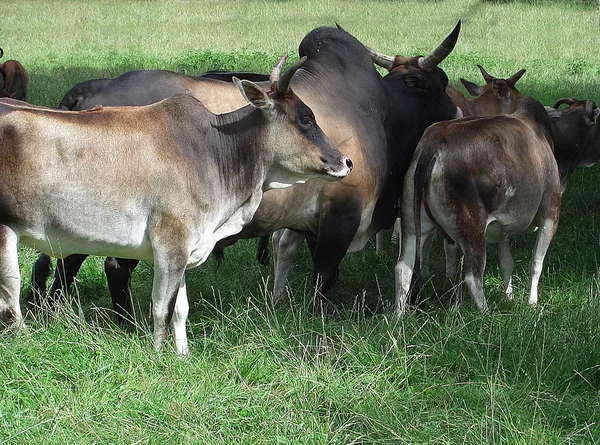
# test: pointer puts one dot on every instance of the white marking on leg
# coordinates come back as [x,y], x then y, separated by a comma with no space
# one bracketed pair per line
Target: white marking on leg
[180,315]
[475,285]
[542,242]
[506,266]
[10,277]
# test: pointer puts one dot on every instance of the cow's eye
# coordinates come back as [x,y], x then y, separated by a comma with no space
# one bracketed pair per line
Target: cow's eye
[306,120]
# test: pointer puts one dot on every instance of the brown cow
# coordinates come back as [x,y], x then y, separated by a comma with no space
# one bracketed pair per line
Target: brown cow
[497,96]
[161,182]
[486,179]
[14,79]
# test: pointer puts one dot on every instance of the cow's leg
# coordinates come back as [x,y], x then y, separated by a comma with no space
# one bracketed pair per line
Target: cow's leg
[262,250]
[545,234]
[180,314]
[171,255]
[451,254]
[425,251]
[379,239]
[474,249]
[337,229]
[64,275]
[10,278]
[286,244]
[506,266]
[397,232]
[405,267]
[118,273]
[39,275]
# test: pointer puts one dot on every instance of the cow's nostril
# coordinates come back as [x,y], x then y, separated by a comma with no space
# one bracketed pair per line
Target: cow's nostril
[349,163]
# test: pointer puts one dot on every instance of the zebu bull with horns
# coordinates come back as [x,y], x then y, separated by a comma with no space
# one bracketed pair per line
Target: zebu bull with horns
[162,182]
[375,120]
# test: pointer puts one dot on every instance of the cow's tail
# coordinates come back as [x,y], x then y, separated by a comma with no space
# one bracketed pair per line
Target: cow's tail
[421,179]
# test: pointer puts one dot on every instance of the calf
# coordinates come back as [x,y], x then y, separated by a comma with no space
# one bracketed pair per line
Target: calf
[14,79]
[489,178]
[162,182]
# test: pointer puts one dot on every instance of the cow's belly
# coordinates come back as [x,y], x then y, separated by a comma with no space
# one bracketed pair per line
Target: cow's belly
[365,231]
[94,232]
[62,246]
[501,227]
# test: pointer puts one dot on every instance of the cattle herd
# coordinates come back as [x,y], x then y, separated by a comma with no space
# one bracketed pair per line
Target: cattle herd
[158,166]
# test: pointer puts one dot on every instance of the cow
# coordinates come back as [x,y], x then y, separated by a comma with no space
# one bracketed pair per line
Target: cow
[134,88]
[14,79]
[485,179]
[497,96]
[377,121]
[144,87]
[161,182]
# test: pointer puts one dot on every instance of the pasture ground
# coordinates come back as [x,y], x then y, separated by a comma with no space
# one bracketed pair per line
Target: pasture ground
[277,375]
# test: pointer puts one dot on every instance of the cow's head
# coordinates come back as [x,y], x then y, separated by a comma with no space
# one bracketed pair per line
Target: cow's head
[425,81]
[299,148]
[576,132]
[497,96]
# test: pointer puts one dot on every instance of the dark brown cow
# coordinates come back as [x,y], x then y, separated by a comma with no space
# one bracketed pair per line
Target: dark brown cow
[377,121]
[162,182]
[486,179]
[14,79]
[497,96]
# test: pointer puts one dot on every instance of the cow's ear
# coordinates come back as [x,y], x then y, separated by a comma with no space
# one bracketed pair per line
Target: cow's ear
[415,81]
[254,94]
[473,89]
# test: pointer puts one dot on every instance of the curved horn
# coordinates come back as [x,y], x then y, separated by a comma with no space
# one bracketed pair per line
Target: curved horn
[381,59]
[564,100]
[515,77]
[284,82]
[441,52]
[1,53]
[485,74]
[274,77]
[589,109]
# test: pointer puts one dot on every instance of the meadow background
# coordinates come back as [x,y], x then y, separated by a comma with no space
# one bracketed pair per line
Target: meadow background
[444,374]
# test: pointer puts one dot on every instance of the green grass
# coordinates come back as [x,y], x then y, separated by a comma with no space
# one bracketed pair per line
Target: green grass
[278,375]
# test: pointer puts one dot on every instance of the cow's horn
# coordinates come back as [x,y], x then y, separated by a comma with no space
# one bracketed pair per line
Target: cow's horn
[284,82]
[564,100]
[274,77]
[1,53]
[590,105]
[485,74]
[441,52]
[381,59]
[515,77]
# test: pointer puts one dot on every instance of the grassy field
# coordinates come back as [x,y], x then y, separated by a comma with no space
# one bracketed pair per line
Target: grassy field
[278,375]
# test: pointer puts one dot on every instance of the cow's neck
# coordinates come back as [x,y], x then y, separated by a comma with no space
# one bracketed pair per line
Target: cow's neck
[240,151]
